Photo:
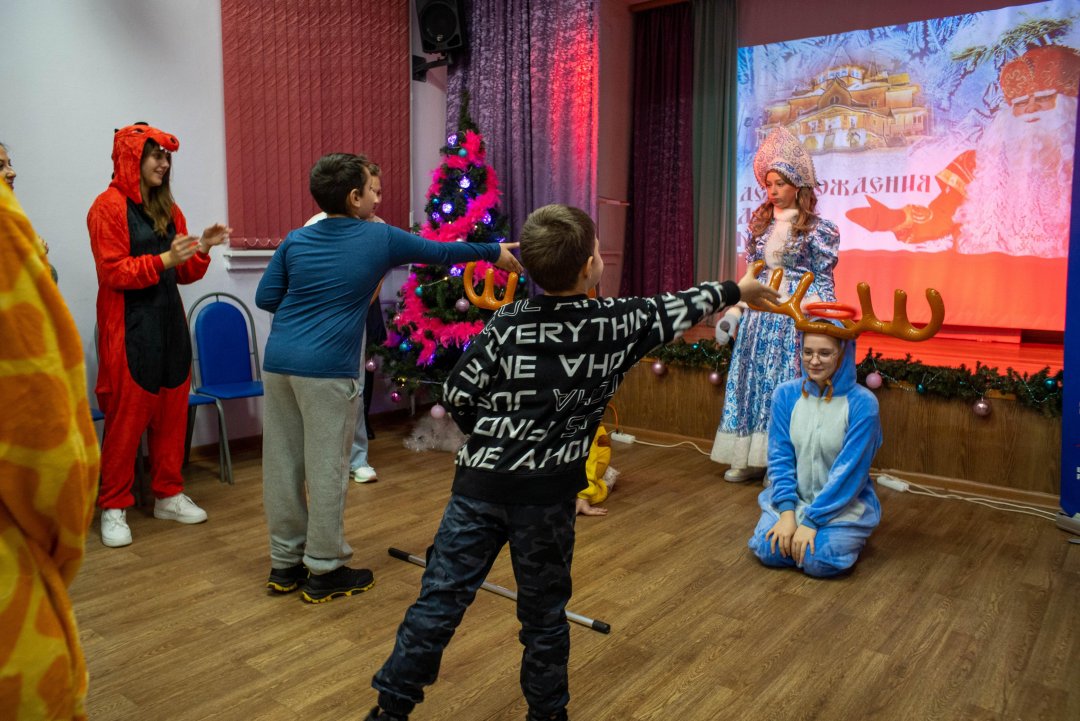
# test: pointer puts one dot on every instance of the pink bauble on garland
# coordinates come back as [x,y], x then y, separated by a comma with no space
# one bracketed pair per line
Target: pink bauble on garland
[659,368]
[715,378]
[396,396]
[372,365]
[873,380]
[981,408]
[438,411]
[462,305]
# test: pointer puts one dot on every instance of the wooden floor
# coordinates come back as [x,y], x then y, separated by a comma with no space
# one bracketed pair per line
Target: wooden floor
[954,612]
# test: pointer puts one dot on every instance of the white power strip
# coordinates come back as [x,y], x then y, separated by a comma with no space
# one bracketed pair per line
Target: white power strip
[896,484]
[622,437]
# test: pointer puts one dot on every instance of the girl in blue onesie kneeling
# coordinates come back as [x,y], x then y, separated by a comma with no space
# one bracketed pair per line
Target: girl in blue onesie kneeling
[820,505]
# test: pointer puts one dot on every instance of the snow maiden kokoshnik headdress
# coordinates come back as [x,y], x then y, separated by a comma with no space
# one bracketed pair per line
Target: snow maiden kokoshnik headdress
[782,151]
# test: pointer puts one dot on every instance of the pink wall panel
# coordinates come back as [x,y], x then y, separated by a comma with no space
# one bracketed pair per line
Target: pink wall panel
[303,79]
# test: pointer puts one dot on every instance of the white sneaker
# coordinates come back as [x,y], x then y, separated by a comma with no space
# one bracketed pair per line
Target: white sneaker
[114,527]
[363,474]
[742,475]
[178,508]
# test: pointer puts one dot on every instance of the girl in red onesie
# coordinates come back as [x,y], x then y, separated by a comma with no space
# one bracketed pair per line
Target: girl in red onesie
[142,251]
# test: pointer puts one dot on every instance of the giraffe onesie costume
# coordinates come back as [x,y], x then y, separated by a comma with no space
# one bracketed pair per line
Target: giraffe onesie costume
[49,469]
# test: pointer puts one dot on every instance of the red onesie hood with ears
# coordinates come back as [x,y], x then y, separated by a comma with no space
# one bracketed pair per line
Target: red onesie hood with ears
[128,143]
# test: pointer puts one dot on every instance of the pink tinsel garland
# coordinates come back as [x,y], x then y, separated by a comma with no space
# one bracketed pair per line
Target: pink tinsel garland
[441,334]
[461,227]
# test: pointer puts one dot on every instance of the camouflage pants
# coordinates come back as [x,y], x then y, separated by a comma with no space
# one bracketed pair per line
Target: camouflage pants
[470,536]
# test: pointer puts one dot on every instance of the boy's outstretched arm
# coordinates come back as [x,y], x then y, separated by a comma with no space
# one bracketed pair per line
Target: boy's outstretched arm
[662,318]
[755,293]
[508,261]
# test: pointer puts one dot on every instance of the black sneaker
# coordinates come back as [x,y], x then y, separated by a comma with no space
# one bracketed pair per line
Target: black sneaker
[557,716]
[343,581]
[287,580]
[377,714]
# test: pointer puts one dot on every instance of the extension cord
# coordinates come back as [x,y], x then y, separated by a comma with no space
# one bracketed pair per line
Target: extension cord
[894,483]
[622,437]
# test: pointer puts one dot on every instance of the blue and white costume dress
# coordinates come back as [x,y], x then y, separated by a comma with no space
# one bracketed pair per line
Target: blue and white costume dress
[766,351]
[820,451]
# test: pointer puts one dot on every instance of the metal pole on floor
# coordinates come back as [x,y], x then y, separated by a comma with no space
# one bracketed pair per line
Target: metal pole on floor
[594,624]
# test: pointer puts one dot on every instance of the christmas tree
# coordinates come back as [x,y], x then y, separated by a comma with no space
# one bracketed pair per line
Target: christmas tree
[434,320]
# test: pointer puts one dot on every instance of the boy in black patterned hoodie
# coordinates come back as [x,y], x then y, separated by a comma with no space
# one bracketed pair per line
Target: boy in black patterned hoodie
[530,390]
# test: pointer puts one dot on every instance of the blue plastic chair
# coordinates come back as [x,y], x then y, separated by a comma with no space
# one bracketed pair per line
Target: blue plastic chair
[194,401]
[225,358]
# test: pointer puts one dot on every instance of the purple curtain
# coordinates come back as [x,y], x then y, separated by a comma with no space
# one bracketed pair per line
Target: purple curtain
[531,74]
[659,252]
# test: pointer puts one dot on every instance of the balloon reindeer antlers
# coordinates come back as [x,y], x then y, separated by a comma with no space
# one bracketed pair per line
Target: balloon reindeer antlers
[486,299]
[898,327]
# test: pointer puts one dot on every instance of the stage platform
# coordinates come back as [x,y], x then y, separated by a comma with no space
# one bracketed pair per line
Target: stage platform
[1015,452]
[1021,357]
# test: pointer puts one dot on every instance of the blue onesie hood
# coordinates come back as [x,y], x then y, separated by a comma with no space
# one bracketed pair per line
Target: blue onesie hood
[844,378]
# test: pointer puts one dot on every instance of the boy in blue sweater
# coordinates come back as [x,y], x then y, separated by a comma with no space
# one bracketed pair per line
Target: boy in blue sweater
[319,285]
[531,389]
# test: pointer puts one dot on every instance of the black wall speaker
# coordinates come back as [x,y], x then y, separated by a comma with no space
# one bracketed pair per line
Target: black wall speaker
[442,25]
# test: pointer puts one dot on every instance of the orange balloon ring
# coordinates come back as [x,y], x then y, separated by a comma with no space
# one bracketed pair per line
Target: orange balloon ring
[839,311]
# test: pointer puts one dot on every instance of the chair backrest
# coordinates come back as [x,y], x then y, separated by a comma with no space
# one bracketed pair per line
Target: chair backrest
[225,348]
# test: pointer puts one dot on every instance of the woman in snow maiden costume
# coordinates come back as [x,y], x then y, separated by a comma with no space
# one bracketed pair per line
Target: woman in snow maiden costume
[820,506]
[786,233]
[142,252]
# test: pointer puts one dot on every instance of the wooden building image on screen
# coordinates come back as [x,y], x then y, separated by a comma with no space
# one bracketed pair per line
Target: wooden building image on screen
[851,107]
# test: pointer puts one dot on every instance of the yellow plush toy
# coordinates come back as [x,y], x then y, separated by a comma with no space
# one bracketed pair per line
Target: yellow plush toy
[600,476]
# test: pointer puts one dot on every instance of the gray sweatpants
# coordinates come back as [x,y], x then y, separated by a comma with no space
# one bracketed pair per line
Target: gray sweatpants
[308,426]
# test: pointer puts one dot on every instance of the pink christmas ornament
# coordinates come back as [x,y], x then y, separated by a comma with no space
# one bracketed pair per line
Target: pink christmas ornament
[715,378]
[462,305]
[395,396]
[372,365]
[437,411]
[981,407]
[873,380]
[659,368]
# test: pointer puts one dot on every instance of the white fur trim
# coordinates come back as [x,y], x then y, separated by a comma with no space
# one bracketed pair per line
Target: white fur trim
[435,434]
[741,451]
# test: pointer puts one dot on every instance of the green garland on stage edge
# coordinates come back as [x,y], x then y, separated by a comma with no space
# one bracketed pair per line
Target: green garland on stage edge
[705,353]
[1041,391]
